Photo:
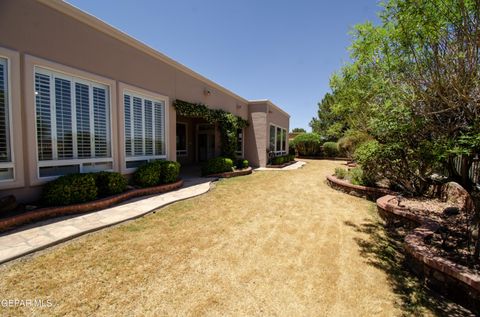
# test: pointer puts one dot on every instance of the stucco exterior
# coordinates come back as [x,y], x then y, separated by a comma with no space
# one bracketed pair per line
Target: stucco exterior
[57,36]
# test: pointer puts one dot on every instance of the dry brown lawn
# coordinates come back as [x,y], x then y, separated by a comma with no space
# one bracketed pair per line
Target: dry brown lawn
[272,243]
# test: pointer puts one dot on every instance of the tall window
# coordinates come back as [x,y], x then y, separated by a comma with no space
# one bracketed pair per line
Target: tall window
[144,129]
[239,149]
[6,163]
[278,140]
[73,124]
[181,139]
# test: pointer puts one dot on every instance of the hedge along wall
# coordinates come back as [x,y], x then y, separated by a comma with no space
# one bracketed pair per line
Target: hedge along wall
[227,122]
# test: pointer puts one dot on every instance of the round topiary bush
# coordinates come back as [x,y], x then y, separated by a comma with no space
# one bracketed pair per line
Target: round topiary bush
[148,174]
[110,183]
[70,189]
[241,163]
[217,165]
[169,171]
[330,149]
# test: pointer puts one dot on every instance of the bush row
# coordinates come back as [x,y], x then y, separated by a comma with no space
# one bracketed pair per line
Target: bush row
[223,164]
[311,144]
[80,188]
[279,160]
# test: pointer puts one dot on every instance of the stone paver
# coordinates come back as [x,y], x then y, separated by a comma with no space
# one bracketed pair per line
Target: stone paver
[294,166]
[17,244]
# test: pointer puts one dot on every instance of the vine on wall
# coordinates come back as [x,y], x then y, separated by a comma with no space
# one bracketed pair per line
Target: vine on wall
[228,123]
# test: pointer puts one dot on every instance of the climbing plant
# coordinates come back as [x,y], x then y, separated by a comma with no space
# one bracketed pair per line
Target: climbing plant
[228,123]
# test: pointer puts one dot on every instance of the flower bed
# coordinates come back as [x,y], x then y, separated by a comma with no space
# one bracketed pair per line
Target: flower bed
[51,212]
[370,193]
[235,173]
[445,276]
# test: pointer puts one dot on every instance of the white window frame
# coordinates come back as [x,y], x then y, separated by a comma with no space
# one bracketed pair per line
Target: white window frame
[49,71]
[240,154]
[278,152]
[10,164]
[153,98]
[183,153]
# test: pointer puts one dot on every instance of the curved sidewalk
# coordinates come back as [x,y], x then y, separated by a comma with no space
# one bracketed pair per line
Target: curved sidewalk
[45,234]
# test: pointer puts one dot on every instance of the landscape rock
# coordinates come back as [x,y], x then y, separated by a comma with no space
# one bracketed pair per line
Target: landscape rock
[455,194]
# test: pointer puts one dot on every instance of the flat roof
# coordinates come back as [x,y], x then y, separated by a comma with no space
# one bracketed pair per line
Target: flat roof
[102,26]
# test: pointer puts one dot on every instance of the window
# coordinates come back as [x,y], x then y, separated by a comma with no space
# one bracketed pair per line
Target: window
[181,139]
[144,129]
[6,162]
[73,124]
[278,140]
[239,149]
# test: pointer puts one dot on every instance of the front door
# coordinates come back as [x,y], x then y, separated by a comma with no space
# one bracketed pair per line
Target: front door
[205,142]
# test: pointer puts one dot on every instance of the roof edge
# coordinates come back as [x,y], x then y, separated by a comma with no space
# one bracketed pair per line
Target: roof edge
[100,25]
[271,104]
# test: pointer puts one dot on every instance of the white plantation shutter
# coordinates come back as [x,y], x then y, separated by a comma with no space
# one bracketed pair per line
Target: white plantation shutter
[159,128]
[101,122]
[77,113]
[44,117]
[144,127]
[5,152]
[82,99]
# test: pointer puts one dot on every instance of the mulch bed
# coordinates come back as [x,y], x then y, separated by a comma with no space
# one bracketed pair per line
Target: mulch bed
[237,172]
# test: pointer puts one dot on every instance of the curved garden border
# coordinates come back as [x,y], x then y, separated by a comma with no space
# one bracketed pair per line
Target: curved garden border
[370,193]
[324,158]
[242,172]
[445,276]
[51,212]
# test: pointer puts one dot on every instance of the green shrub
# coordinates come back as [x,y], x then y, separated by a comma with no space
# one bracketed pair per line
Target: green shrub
[330,149]
[350,141]
[109,183]
[341,173]
[356,176]
[70,189]
[291,157]
[241,163]
[169,171]
[278,160]
[156,172]
[217,165]
[148,174]
[307,144]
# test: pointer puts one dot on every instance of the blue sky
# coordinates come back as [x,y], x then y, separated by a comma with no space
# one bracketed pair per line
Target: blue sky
[280,50]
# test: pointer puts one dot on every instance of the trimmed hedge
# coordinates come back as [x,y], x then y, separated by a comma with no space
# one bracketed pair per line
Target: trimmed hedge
[307,144]
[156,172]
[110,183]
[70,189]
[330,149]
[241,163]
[279,160]
[217,165]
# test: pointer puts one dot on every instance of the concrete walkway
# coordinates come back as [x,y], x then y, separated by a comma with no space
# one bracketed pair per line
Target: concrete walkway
[294,166]
[48,233]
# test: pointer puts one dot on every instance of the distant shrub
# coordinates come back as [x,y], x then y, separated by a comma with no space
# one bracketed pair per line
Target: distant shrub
[330,149]
[70,189]
[109,183]
[169,171]
[307,144]
[279,160]
[350,141]
[340,173]
[241,163]
[217,165]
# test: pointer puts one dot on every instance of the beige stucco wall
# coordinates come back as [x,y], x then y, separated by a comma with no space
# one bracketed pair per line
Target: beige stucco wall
[35,33]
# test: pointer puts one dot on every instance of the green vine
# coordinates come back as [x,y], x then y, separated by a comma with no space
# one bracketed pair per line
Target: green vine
[228,123]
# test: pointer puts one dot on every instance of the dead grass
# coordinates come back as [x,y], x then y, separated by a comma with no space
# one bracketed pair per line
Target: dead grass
[273,243]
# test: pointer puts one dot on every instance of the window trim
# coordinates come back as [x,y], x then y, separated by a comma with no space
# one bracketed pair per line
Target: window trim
[278,152]
[185,154]
[10,164]
[72,78]
[142,93]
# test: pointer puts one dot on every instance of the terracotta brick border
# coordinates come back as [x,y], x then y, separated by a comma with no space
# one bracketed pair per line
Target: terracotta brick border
[51,212]
[457,281]
[370,193]
[242,172]
[281,165]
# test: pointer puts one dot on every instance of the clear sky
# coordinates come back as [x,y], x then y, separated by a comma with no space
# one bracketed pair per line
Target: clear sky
[282,50]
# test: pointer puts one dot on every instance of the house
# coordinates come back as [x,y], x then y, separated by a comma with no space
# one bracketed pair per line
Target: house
[77,95]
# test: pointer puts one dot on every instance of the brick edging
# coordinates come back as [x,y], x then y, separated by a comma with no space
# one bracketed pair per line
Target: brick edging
[51,212]
[241,172]
[370,193]
[454,277]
